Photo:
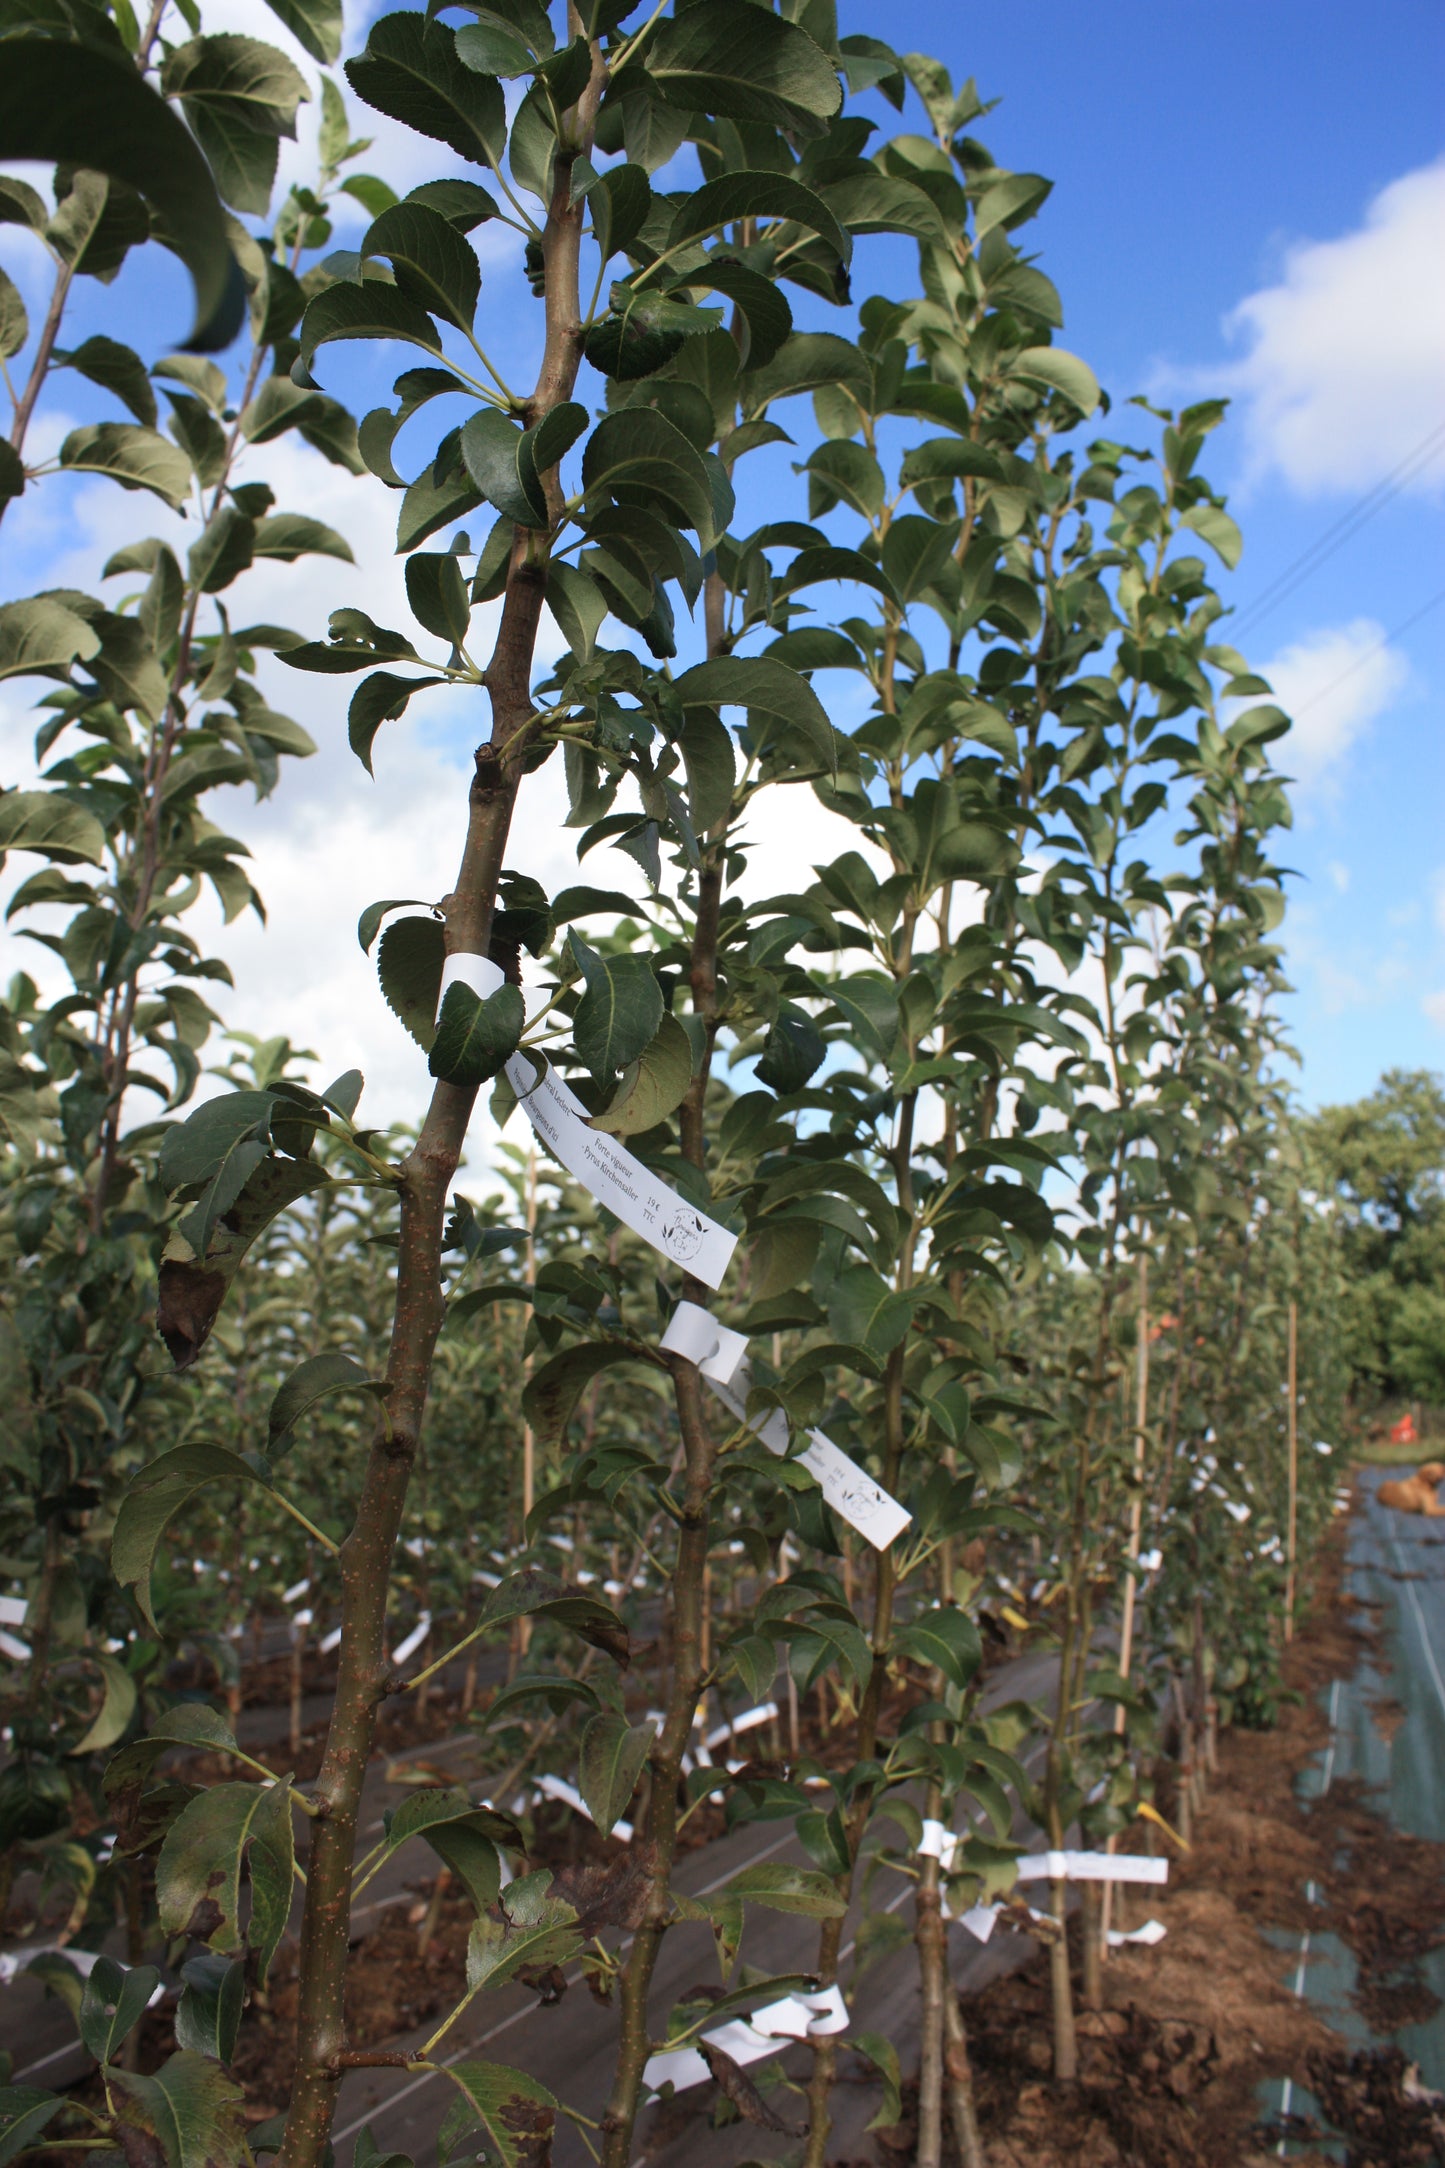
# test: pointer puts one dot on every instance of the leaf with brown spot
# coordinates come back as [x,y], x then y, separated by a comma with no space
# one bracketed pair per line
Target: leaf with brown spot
[198,1875]
[517,2114]
[735,2084]
[608,1895]
[187,2116]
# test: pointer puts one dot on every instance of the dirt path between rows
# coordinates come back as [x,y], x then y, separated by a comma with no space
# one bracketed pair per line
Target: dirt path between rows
[1182,2066]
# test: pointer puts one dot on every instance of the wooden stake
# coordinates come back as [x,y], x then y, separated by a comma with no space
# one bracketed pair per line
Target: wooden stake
[1136,1523]
[1292,1395]
[529,1443]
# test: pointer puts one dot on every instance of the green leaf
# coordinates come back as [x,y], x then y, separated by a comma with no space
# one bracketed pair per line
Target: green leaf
[474,1037]
[46,822]
[411,71]
[157,1493]
[863,1311]
[494,453]
[735,196]
[766,321]
[24,2112]
[316,27]
[788,1889]
[224,550]
[743,63]
[372,310]
[652,1086]
[61,102]
[435,266]
[536,1929]
[793,1051]
[190,2106]
[611,1760]
[635,456]
[711,766]
[945,1637]
[113,2004]
[289,535]
[620,1011]
[208,2015]
[194,1149]
[578,605]
[438,594]
[877,2049]
[198,1873]
[1059,371]
[464,1837]
[551,1394]
[804,362]
[136,458]
[116,1709]
[315,1379]
[1214,526]
[516,2112]
[14,322]
[771,692]
[43,633]
[409,965]
[379,699]
[239,96]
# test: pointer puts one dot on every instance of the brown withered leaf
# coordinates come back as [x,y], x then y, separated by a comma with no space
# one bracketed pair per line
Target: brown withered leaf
[189,1304]
[734,2082]
[610,1894]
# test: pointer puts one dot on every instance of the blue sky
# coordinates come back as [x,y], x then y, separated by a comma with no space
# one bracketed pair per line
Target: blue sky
[1250,201]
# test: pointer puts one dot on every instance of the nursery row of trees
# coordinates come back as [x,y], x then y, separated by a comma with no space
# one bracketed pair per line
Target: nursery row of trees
[990,1102]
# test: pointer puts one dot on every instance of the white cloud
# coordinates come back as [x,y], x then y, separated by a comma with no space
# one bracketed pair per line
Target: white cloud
[1335,683]
[1339,875]
[1438,886]
[1434,1007]
[1345,371]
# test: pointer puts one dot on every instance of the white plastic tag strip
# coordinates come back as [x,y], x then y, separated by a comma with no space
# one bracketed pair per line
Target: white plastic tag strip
[650,1207]
[749,2039]
[1092,1867]
[1151,1931]
[722,1357]
[413,1641]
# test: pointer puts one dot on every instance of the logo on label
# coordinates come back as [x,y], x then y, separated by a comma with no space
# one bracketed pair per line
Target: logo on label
[682,1236]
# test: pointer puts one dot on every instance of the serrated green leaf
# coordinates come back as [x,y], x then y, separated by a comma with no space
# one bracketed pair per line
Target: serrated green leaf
[113,2004]
[435,266]
[43,633]
[475,1036]
[946,1638]
[46,822]
[411,71]
[311,1381]
[198,1873]
[516,2112]
[190,2108]
[116,1709]
[612,1757]
[620,1011]
[652,1086]
[136,458]
[208,2014]
[724,60]
[409,965]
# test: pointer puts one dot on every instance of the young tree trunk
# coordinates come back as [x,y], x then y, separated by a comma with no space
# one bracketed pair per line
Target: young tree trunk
[961,2111]
[366,1555]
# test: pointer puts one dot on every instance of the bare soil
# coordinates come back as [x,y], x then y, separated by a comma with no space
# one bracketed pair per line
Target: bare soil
[1171,2067]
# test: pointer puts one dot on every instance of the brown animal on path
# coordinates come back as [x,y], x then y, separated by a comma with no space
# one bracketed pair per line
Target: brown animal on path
[1416,1494]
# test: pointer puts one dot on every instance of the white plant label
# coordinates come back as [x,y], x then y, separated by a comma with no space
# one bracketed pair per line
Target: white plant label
[722,1357]
[1092,1867]
[650,1207]
[749,2039]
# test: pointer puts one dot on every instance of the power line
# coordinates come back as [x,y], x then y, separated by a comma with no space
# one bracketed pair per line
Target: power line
[1343,530]
[1368,656]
